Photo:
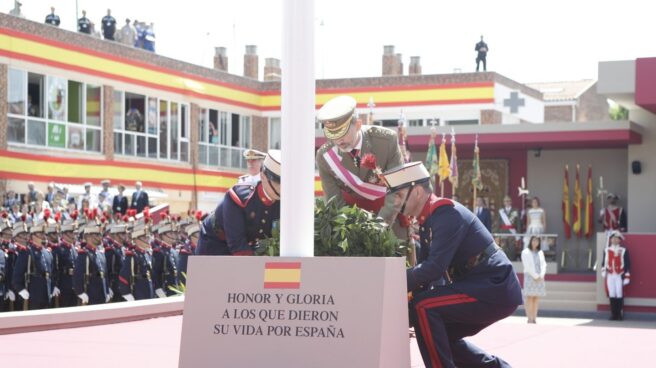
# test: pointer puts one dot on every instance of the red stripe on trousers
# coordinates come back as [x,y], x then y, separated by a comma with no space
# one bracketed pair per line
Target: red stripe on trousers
[423,319]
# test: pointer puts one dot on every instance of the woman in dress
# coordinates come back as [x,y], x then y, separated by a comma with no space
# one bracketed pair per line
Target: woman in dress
[535,267]
[536,220]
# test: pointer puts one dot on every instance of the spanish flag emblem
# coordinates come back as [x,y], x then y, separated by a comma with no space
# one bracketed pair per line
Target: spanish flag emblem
[282,275]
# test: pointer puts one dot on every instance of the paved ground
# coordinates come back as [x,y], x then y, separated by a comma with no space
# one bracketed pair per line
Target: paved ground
[553,342]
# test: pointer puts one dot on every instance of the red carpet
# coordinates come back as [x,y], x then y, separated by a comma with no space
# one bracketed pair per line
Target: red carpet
[553,342]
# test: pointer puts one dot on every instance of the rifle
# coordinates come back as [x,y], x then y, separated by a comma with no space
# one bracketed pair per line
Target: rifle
[132,275]
[26,302]
[86,276]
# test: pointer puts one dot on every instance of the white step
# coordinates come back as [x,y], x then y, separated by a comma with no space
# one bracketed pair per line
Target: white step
[571,286]
[569,305]
[570,295]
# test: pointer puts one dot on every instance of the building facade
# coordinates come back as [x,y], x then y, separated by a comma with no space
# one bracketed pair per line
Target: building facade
[74,109]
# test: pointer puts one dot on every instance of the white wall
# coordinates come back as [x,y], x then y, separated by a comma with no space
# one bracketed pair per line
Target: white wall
[545,180]
[532,111]
[642,187]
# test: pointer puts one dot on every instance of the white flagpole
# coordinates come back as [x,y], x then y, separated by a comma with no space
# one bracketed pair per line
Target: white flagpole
[298,116]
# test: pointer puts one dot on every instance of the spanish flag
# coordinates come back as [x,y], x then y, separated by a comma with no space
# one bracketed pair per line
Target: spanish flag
[282,275]
[589,207]
[567,222]
[576,205]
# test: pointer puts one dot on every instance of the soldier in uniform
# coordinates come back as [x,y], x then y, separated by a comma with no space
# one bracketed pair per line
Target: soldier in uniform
[33,270]
[65,256]
[90,275]
[165,263]
[245,216]
[509,222]
[462,283]
[8,251]
[613,217]
[4,224]
[254,159]
[349,163]
[616,267]
[115,248]
[135,279]
[189,234]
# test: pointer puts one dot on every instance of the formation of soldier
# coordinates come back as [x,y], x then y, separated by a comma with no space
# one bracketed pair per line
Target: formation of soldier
[82,260]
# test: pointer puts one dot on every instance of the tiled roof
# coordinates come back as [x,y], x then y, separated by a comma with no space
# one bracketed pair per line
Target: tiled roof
[563,91]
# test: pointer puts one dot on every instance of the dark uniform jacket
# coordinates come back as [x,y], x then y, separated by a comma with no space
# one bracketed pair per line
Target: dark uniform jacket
[244,217]
[380,142]
[185,250]
[84,25]
[165,268]
[33,271]
[91,274]
[114,255]
[450,236]
[136,274]
[477,48]
[140,202]
[64,255]
[108,27]
[54,20]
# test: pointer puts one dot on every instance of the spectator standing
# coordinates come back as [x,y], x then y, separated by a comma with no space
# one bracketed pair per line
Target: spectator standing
[52,18]
[84,24]
[109,26]
[535,267]
[127,35]
[149,38]
[16,11]
[120,203]
[31,193]
[94,32]
[105,198]
[139,34]
[87,197]
[536,219]
[483,213]
[482,50]
[50,194]
[139,198]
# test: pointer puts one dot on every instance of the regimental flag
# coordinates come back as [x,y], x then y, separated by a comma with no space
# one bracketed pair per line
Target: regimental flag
[589,207]
[453,178]
[444,170]
[577,203]
[431,158]
[282,275]
[567,221]
[477,181]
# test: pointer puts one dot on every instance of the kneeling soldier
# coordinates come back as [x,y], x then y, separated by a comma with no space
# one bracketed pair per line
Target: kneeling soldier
[245,216]
[462,282]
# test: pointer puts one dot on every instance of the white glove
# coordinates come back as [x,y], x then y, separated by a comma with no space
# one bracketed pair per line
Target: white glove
[55,292]
[84,297]
[626,282]
[128,297]
[160,293]
[111,293]
[11,296]
[603,272]
[24,294]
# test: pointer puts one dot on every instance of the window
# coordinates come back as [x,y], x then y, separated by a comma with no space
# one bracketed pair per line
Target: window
[53,112]
[462,122]
[275,132]
[150,127]
[17,91]
[416,122]
[222,138]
